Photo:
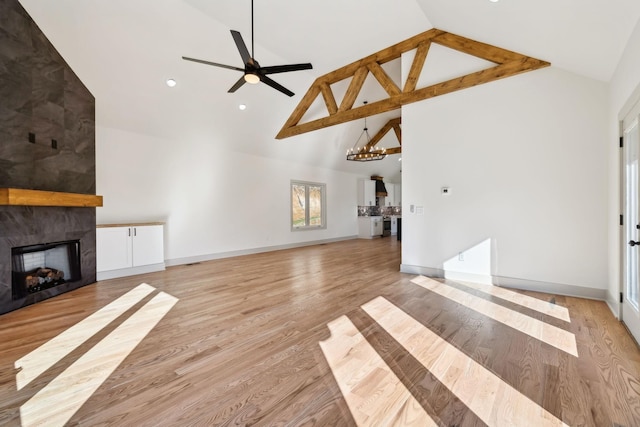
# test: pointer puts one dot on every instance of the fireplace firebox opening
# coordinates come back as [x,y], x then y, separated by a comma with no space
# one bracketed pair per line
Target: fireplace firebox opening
[43,266]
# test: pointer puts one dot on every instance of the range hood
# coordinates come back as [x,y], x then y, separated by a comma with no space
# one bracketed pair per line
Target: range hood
[381,190]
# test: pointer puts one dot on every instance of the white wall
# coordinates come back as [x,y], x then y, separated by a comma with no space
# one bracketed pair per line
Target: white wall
[214,202]
[526,160]
[624,91]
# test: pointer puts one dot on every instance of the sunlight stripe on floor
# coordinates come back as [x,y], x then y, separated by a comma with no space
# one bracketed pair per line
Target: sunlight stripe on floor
[56,403]
[374,394]
[552,335]
[544,307]
[491,399]
[49,353]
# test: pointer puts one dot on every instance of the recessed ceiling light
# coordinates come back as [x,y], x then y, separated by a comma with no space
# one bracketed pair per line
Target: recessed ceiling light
[494,1]
[242,106]
[171,82]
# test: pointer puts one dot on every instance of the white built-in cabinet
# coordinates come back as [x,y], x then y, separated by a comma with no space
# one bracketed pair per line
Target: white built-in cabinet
[127,249]
[393,195]
[397,195]
[366,192]
[389,199]
[369,227]
[394,225]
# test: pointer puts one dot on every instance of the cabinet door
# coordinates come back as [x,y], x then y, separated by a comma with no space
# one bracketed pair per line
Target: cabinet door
[376,226]
[113,248]
[366,192]
[364,227]
[370,192]
[390,199]
[394,225]
[148,245]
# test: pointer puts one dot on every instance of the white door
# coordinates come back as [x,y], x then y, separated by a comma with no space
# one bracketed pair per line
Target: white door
[631,142]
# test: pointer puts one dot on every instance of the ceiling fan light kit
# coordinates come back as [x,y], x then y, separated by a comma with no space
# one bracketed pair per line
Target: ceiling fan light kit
[253,72]
[252,78]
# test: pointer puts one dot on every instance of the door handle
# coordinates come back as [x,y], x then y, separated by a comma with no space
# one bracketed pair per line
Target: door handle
[633,243]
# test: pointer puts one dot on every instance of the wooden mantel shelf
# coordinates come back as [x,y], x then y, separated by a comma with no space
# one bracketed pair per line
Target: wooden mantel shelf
[21,197]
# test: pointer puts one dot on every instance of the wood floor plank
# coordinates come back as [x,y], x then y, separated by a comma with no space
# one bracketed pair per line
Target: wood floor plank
[63,396]
[550,334]
[373,392]
[45,356]
[493,400]
[242,346]
[539,305]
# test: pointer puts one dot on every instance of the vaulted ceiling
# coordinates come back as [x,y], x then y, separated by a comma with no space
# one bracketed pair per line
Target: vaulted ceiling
[125,50]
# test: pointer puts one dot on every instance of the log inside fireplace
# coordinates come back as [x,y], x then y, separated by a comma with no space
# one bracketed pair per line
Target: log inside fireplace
[43,266]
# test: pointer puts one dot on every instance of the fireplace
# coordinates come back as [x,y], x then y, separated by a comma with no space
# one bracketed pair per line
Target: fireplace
[21,228]
[43,266]
[47,167]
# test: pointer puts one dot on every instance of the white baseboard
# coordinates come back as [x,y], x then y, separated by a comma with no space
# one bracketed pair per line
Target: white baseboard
[425,271]
[614,304]
[123,272]
[514,283]
[220,255]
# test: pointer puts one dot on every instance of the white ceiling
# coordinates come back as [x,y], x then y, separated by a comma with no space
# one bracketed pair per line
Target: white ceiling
[124,51]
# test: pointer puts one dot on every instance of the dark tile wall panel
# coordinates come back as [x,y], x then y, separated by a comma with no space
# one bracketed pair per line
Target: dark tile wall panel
[27,225]
[40,94]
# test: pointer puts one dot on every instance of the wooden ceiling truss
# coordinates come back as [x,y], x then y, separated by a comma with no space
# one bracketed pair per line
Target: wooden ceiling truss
[507,64]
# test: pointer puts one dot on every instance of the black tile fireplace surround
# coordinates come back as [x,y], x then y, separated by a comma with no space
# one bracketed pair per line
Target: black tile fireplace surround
[47,143]
[30,225]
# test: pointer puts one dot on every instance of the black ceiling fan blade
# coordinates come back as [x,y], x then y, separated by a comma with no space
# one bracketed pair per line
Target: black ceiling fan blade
[215,64]
[285,68]
[276,85]
[236,86]
[242,48]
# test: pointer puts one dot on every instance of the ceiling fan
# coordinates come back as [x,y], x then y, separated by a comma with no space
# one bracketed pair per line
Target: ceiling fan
[253,72]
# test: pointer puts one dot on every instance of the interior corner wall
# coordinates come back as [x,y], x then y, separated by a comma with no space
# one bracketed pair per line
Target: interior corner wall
[525,159]
[624,92]
[215,203]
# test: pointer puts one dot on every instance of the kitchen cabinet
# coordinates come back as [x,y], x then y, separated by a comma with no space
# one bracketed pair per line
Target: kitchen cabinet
[393,195]
[397,195]
[389,200]
[128,249]
[366,192]
[394,224]
[369,227]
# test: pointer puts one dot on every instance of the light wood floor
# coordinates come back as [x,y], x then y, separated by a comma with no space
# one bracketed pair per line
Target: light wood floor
[328,335]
